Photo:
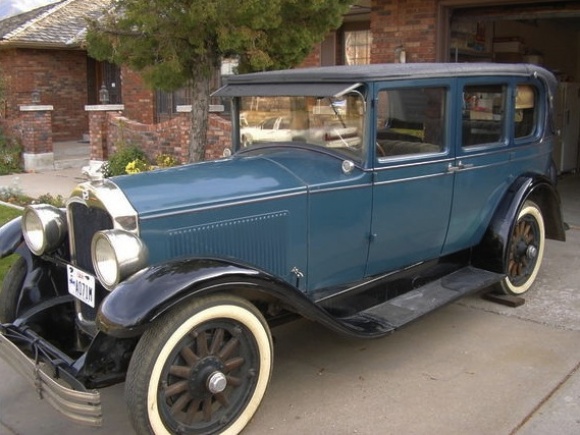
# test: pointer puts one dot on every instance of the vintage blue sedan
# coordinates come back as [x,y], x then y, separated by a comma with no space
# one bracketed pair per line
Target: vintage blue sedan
[396,189]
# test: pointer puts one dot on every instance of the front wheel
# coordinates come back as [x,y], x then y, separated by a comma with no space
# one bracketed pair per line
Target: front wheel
[526,251]
[202,368]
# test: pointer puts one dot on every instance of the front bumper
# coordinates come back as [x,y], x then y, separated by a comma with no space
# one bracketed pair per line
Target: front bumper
[77,404]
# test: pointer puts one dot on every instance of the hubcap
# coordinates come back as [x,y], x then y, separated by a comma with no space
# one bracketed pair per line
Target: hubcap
[217,382]
[532,252]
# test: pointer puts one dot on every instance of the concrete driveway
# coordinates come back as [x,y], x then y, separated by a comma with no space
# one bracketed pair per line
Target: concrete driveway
[474,367]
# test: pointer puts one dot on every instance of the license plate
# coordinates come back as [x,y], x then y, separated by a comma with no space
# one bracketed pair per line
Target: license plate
[81,285]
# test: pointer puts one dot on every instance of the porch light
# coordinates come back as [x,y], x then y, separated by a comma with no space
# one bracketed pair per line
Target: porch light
[400,54]
[103,94]
[35,96]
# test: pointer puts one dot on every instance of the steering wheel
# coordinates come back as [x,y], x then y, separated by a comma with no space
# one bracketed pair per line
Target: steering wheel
[381,152]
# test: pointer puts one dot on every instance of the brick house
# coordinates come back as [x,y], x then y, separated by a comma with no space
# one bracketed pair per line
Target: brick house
[42,51]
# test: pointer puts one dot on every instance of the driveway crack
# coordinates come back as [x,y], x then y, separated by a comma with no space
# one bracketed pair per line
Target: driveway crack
[545,399]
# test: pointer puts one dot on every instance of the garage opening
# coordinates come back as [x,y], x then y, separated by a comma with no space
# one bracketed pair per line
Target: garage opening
[547,34]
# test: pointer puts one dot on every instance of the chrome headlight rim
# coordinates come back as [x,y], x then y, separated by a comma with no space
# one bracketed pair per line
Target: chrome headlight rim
[116,254]
[44,228]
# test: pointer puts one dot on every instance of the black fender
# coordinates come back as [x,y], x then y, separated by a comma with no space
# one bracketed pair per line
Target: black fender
[131,307]
[42,281]
[492,252]
[11,237]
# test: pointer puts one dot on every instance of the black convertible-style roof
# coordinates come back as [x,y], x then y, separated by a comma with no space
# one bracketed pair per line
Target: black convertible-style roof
[337,80]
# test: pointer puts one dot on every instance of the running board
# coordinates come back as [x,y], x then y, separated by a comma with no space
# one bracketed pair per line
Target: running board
[394,313]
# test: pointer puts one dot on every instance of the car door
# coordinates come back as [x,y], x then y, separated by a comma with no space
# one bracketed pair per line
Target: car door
[412,188]
[497,139]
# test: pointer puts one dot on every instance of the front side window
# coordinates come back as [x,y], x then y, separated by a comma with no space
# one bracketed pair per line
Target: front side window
[483,114]
[334,124]
[410,121]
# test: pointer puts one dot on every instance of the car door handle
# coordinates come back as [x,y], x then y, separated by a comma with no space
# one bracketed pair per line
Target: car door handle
[460,166]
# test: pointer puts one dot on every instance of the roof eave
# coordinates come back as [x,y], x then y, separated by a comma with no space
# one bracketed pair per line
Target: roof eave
[41,45]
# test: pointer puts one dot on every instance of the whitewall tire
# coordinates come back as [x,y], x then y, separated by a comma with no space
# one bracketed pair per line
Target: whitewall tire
[202,368]
[525,250]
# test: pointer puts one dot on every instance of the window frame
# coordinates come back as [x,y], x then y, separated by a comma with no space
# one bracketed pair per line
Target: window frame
[447,123]
[504,136]
[508,139]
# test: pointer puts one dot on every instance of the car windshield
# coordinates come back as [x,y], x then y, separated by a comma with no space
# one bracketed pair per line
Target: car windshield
[335,124]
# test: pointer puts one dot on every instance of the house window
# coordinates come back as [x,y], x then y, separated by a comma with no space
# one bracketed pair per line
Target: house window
[357,47]
[167,102]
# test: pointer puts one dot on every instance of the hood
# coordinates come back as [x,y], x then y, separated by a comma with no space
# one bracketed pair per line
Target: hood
[207,184]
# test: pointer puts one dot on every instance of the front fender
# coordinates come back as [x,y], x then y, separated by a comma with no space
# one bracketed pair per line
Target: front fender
[134,304]
[147,294]
[492,253]
[10,237]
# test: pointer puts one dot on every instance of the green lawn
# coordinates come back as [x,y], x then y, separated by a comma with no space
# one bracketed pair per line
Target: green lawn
[6,214]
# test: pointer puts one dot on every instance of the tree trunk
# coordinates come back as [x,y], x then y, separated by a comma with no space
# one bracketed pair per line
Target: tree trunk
[200,91]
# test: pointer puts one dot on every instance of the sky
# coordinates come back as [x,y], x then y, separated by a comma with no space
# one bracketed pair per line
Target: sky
[9,8]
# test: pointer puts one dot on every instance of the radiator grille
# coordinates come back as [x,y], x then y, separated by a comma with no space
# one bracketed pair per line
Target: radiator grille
[86,221]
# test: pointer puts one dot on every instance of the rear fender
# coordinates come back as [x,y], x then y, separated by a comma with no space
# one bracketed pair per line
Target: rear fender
[492,253]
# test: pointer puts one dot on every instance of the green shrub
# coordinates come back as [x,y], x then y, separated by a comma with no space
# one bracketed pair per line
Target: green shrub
[118,161]
[10,156]
[47,198]
[13,193]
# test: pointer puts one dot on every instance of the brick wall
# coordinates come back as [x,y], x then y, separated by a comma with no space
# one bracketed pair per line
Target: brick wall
[98,124]
[407,23]
[139,101]
[61,78]
[109,130]
[36,131]
[313,59]
[11,128]
[219,136]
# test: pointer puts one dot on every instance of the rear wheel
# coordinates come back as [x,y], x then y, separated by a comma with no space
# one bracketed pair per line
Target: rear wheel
[11,289]
[202,368]
[526,251]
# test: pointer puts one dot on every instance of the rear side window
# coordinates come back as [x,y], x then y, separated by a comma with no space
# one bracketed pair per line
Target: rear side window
[483,114]
[526,116]
[410,121]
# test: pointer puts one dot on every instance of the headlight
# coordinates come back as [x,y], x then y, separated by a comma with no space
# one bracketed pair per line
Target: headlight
[44,228]
[117,254]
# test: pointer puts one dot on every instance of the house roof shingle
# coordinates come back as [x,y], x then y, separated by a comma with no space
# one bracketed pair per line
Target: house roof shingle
[60,25]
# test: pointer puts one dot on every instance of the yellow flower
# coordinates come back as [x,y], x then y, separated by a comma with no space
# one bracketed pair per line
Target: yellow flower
[166,161]
[137,166]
